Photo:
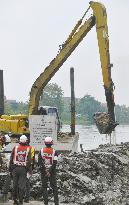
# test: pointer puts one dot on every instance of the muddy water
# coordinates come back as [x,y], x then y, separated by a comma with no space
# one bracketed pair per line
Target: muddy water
[91,139]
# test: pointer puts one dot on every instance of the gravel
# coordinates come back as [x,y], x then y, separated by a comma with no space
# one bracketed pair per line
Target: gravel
[96,177]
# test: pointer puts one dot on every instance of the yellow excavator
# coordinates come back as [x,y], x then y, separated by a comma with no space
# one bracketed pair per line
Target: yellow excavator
[98,19]
[14,124]
[105,122]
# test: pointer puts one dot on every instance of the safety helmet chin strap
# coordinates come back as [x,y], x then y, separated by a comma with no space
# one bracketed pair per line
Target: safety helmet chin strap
[48,145]
[23,143]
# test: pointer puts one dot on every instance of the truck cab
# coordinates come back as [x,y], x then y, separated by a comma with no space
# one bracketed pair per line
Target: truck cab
[51,111]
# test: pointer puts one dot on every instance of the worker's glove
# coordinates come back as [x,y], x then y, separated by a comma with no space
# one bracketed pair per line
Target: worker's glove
[10,174]
[47,173]
[29,174]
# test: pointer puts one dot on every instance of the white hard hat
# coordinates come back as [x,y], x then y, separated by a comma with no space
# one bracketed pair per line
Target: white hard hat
[23,139]
[7,138]
[48,140]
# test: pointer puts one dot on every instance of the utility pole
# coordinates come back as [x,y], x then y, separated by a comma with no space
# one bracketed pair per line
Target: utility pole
[72,101]
[1,93]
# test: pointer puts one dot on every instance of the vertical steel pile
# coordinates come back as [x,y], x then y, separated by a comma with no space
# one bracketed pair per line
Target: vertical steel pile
[1,93]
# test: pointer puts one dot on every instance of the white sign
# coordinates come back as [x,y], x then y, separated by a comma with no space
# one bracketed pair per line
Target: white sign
[42,126]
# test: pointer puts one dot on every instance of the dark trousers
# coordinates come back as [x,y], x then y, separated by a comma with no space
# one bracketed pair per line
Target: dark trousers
[1,161]
[53,184]
[19,183]
[27,192]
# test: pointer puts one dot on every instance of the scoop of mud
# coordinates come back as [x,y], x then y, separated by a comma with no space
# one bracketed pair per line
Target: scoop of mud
[104,122]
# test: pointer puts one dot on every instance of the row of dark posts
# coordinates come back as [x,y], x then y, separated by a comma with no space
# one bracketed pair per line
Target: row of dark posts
[72,101]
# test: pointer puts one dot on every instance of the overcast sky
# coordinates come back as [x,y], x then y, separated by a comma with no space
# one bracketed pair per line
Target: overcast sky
[31,32]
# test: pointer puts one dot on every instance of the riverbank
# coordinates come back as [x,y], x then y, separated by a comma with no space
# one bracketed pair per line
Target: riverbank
[96,177]
[100,176]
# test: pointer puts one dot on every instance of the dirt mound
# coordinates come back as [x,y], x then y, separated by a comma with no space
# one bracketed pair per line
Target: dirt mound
[99,176]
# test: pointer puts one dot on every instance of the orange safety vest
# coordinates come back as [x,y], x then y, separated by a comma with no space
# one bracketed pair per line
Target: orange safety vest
[48,154]
[20,155]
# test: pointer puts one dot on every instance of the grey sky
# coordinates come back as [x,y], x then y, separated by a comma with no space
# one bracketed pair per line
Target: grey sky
[31,32]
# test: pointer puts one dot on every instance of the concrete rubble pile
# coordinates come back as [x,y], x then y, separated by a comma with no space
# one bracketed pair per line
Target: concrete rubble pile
[3,171]
[97,177]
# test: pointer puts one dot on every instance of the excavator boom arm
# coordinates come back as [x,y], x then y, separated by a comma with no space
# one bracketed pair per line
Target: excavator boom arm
[56,63]
[100,19]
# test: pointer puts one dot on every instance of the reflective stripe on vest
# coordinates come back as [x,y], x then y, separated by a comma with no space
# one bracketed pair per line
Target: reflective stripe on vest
[48,155]
[20,156]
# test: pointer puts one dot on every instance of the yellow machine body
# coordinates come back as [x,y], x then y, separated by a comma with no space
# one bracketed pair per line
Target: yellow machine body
[14,124]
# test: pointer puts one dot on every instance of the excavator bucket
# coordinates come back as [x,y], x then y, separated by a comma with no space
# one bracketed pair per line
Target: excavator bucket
[104,123]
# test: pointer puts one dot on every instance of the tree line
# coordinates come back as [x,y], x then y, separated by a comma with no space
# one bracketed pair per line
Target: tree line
[86,106]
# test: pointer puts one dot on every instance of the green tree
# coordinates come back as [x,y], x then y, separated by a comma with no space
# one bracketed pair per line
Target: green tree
[66,114]
[87,106]
[22,108]
[16,108]
[122,114]
[52,96]
[8,109]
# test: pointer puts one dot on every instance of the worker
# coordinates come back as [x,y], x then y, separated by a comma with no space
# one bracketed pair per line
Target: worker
[6,187]
[27,192]
[4,140]
[20,164]
[47,160]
